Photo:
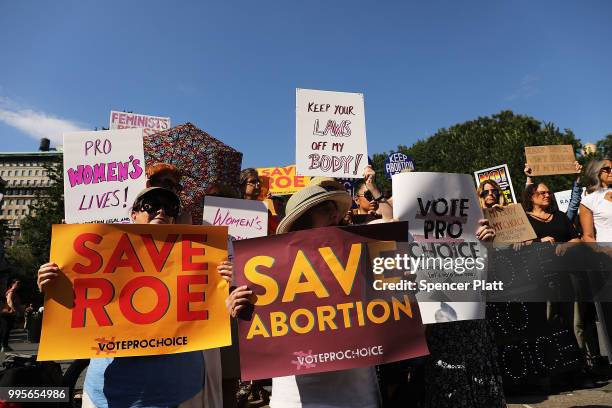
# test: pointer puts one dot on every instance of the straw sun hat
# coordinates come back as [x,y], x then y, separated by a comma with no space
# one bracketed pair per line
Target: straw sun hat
[309,197]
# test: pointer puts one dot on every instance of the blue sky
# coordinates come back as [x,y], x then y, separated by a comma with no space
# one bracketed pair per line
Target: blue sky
[231,68]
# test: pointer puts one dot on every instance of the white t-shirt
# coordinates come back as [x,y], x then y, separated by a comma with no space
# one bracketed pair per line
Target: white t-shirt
[355,388]
[602,213]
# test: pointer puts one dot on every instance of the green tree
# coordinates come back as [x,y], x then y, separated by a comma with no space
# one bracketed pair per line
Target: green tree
[604,146]
[32,248]
[486,142]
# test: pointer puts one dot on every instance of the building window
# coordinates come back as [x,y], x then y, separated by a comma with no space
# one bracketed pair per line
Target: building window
[9,173]
[35,182]
[27,182]
[29,172]
[36,172]
[10,212]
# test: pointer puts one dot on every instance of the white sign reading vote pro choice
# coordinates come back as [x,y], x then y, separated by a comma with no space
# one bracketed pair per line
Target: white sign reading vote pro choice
[103,173]
[330,134]
[442,211]
[244,218]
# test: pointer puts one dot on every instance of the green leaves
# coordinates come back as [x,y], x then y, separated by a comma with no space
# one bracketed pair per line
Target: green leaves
[486,142]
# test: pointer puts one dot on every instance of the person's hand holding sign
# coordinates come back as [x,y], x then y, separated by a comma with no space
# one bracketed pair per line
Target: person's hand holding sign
[47,273]
[529,173]
[240,298]
[226,270]
[485,232]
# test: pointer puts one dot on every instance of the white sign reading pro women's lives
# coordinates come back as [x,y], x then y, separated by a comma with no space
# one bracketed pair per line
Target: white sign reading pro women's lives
[330,134]
[442,211]
[103,173]
[244,218]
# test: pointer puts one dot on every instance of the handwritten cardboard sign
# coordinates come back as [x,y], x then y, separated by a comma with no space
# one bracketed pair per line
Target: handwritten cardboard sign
[501,175]
[442,211]
[510,223]
[330,134]
[103,173]
[135,290]
[244,218]
[550,160]
[282,180]
[316,310]
[150,124]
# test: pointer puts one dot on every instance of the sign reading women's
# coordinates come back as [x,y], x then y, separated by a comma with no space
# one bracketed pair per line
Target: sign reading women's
[315,307]
[443,211]
[283,180]
[244,218]
[103,173]
[330,134]
[150,124]
[501,175]
[135,290]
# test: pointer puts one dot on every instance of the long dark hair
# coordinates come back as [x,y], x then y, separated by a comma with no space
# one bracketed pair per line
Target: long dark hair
[527,198]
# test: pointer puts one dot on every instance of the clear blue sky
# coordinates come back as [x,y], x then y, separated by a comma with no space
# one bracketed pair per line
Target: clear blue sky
[232,67]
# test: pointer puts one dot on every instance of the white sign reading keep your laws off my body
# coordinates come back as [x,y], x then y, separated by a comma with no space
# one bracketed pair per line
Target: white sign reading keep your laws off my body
[330,134]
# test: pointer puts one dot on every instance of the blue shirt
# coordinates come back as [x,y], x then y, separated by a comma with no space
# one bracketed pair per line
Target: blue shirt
[148,381]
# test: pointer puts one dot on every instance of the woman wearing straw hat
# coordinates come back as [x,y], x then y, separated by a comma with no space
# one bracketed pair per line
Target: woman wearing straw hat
[318,206]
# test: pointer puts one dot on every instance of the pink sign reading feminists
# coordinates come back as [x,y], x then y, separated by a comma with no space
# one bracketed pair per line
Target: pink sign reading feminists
[103,173]
[150,124]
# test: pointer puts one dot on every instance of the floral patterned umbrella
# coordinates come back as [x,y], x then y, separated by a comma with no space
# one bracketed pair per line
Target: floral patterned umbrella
[202,159]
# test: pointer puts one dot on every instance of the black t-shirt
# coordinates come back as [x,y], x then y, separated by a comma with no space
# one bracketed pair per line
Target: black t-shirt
[559,227]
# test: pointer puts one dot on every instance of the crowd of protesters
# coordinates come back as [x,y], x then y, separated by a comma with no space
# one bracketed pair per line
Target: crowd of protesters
[462,369]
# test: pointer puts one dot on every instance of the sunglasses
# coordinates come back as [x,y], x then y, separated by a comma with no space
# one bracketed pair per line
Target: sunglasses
[152,206]
[254,182]
[367,195]
[485,193]
[605,169]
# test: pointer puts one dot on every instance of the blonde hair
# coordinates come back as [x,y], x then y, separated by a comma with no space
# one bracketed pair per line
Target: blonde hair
[502,198]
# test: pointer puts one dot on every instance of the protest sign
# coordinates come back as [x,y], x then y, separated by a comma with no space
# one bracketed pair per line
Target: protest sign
[150,124]
[563,198]
[135,290]
[244,218]
[316,309]
[530,347]
[442,211]
[551,160]
[330,134]
[501,175]
[397,162]
[103,173]
[510,223]
[283,180]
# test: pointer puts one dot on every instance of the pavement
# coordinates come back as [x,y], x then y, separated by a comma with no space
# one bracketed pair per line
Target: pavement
[598,397]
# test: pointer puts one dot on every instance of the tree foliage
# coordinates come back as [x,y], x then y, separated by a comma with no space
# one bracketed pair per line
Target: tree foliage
[604,146]
[32,248]
[486,142]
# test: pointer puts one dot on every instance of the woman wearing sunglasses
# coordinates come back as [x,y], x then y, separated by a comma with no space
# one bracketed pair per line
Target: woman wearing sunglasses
[371,204]
[168,380]
[491,195]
